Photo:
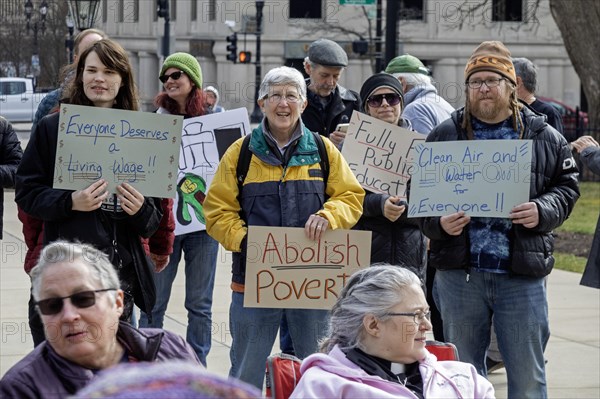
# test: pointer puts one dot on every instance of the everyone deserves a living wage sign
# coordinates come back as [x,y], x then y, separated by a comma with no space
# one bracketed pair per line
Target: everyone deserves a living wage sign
[485,178]
[138,148]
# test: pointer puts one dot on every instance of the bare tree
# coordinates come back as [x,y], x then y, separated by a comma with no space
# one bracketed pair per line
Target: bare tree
[18,44]
[579,24]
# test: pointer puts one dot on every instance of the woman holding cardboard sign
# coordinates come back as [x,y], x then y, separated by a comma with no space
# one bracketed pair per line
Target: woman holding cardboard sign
[114,224]
[396,239]
[181,77]
[287,184]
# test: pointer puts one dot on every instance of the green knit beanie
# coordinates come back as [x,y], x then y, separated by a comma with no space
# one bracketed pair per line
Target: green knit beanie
[186,63]
[406,64]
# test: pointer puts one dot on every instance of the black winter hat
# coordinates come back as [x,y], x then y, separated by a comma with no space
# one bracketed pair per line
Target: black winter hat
[378,81]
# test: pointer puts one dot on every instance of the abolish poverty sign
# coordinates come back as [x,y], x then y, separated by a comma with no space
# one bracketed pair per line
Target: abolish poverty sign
[480,177]
[284,269]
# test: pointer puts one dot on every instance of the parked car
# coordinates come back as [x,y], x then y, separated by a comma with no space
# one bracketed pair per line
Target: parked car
[18,99]
[574,121]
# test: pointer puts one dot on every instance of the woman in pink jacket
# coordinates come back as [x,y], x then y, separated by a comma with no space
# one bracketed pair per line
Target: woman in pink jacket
[376,346]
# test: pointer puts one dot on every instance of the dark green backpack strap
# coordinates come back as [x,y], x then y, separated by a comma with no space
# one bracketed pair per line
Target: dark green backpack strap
[243,163]
[324,156]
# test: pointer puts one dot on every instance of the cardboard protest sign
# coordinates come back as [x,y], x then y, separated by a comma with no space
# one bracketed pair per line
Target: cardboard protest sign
[119,146]
[203,142]
[284,269]
[380,154]
[481,177]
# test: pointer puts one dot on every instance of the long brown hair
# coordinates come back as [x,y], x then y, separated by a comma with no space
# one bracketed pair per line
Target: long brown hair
[113,56]
[195,104]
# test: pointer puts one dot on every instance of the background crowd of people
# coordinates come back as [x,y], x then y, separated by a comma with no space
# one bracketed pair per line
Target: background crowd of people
[463,277]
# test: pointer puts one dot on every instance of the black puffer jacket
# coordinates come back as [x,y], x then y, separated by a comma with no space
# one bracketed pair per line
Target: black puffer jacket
[553,188]
[10,156]
[399,243]
[344,101]
[35,195]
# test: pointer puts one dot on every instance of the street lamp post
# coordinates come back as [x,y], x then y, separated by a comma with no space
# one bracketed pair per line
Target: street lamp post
[257,114]
[41,17]
[84,13]
[69,42]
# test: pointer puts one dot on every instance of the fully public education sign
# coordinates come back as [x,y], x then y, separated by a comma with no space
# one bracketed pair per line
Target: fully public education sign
[380,154]
[284,269]
[480,177]
[138,148]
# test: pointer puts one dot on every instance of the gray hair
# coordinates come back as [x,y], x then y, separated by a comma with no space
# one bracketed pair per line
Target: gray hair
[374,290]
[414,79]
[527,71]
[282,76]
[70,252]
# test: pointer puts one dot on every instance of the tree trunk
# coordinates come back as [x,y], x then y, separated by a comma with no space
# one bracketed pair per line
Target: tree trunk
[579,24]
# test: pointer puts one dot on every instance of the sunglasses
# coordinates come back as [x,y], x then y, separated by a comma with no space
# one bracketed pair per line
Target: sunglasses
[81,300]
[376,100]
[174,76]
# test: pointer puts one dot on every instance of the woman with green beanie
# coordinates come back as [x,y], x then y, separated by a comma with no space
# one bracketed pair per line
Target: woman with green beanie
[181,77]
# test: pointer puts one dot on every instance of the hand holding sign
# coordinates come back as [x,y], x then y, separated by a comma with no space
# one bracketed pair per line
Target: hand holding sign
[90,198]
[525,214]
[315,227]
[130,198]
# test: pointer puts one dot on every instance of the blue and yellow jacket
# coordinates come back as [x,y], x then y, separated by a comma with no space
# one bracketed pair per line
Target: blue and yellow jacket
[278,191]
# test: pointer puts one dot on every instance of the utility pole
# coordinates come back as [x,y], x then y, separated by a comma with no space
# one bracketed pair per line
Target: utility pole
[257,115]
[378,29]
[391,29]
[163,12]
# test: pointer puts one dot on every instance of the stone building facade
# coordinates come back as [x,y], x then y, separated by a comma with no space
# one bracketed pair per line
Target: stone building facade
[439,32]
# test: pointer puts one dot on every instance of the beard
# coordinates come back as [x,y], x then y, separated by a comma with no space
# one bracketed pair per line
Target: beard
[490,111]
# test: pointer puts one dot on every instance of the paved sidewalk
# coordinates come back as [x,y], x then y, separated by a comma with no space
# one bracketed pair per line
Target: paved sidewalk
[573,353]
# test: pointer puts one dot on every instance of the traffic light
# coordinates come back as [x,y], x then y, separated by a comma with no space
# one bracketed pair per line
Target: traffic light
[162,9]
[245,57]
[232,48]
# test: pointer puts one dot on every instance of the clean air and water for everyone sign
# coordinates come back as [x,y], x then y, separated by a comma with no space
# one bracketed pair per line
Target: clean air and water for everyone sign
[138,148]
[285,269]
[480,177]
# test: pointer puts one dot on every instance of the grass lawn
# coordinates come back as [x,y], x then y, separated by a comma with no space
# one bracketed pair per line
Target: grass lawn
[582,220]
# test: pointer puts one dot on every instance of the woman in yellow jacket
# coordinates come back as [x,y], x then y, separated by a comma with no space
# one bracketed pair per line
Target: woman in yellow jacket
[284,186]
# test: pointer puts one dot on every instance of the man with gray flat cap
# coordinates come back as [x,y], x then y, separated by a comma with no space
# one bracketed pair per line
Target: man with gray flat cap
[328,103]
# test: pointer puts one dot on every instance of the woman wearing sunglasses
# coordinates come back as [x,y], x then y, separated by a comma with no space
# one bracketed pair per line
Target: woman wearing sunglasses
[76,289]
[103,78]
[181,77]
[375,347]
[395,239]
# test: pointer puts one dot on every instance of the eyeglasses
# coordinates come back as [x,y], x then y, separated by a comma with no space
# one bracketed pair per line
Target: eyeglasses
[491,82]
[174,76]
[376,100]
[418,317]
[289,98]
[81,300]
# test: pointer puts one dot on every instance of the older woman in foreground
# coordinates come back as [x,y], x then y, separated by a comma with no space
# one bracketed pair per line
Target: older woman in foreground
[76,289]
[376,346]
[288,184]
